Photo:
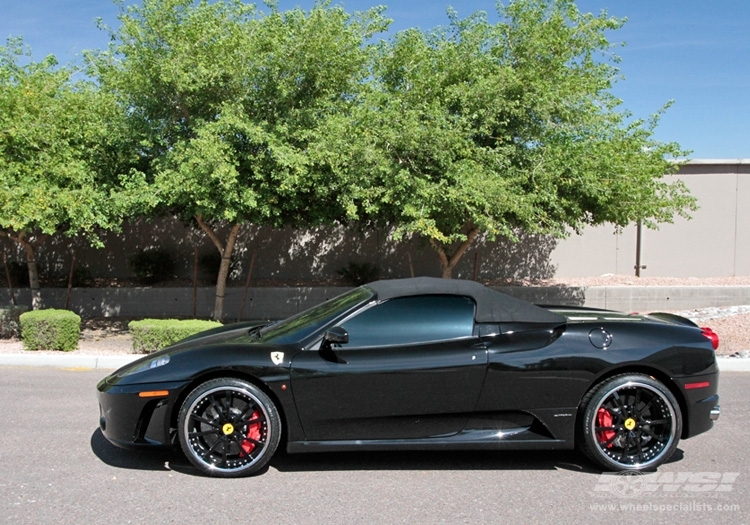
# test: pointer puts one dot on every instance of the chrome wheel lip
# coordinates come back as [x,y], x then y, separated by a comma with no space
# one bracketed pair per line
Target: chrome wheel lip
[672,422]
[258,404]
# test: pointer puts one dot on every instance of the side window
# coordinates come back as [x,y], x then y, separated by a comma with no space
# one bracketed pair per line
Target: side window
[408,320]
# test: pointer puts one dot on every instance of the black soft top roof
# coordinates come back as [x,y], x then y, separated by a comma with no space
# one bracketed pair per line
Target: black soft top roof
[492,306]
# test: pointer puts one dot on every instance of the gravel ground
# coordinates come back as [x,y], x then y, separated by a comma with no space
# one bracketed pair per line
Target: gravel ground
[111,337]
[631,280]
[731,323]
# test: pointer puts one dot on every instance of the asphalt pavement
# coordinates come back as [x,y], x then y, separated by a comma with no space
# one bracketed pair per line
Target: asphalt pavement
[56,467]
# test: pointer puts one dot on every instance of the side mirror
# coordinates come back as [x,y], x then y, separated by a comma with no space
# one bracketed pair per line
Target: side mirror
[336,335]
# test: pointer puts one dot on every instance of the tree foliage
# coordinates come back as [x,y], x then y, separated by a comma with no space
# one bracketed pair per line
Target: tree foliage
[225,114]
[231,103]
[482,128]
[58,148]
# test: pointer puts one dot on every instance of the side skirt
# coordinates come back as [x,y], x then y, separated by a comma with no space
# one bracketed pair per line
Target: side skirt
[513,439]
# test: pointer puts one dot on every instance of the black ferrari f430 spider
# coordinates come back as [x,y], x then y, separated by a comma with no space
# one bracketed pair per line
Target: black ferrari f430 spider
[422,364]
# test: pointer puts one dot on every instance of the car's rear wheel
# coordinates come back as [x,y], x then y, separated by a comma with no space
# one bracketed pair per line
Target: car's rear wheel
[629,422]
[228,428]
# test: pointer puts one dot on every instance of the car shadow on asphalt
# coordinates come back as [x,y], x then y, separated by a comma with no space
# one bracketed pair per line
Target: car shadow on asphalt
[175,460]
[145,459]
[443,460]
[432,460]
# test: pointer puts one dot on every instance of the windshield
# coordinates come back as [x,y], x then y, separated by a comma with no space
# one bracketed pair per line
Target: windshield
[306,323]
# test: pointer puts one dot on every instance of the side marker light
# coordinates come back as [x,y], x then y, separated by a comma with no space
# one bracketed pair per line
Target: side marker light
[154,393]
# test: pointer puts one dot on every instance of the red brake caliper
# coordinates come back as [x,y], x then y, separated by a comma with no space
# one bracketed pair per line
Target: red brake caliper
[604,419]
[253,432]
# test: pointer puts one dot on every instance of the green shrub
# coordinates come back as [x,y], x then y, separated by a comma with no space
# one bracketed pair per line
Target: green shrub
[19,273]
[10,322]
[50,330]
[358,274]
[150,335]
[152,265]
[82,277]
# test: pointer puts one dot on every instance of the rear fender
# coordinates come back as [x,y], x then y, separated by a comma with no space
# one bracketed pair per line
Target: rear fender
[672,318]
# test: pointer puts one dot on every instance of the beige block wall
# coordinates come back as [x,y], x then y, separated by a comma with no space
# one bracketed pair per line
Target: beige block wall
[715,242]
[742,254]
[597,251]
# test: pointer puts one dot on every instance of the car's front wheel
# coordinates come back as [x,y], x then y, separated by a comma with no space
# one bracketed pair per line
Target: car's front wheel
[629,422]
[228,428]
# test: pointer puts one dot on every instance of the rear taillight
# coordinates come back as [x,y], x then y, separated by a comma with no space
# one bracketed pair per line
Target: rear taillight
[711,336]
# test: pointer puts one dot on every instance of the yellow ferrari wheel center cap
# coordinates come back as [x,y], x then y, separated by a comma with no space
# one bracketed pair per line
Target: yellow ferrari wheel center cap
[630,423]
[228,428]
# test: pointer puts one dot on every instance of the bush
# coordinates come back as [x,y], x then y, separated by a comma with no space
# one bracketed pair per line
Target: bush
[152,265]
[19,273]
[82,277]
[10,322]
[358,274]
[150,335]
[50,330]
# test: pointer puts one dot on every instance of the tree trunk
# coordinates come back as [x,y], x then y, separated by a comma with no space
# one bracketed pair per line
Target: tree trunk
[448,263]
[10,281]
[225,250]
[36,293]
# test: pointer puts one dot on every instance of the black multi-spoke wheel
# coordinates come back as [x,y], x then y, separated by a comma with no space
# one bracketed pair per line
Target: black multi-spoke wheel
[228,428]
[630,422]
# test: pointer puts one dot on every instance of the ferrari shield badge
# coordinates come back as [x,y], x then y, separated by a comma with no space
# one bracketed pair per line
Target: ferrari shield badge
[277,357]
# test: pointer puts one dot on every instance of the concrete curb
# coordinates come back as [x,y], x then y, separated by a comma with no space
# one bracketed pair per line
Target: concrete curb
[726,364]
[733,364]
[68,361]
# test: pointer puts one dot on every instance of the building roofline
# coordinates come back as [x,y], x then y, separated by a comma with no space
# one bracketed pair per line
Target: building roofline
[721,162]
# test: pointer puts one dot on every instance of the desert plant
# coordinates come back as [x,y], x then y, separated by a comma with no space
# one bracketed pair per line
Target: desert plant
[152,265]
[50,330]
[10,322]
[82,277]
[358,274]
[19,273]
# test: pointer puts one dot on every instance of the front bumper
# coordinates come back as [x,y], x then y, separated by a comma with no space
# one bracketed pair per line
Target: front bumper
[130,420]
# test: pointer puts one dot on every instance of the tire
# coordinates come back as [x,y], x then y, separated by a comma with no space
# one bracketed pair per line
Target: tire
[228,428]
[629,422]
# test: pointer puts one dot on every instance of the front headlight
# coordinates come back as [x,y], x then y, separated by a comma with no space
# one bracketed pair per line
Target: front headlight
[150,364]
[159,361]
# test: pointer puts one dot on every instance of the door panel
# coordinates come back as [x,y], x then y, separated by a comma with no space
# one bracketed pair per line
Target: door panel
[388,393]
[412,369]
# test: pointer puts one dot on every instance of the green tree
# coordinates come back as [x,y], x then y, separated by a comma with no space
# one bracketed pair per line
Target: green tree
[231,103]
[57,147]
[488,129]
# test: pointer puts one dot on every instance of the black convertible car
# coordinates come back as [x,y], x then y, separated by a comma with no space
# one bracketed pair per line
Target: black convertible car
[422,364]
